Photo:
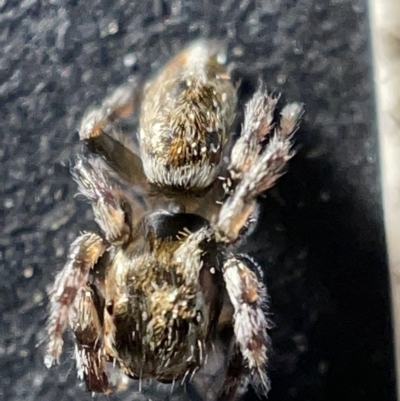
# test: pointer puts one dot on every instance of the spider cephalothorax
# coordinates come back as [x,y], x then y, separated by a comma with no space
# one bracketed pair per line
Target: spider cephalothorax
[148,293]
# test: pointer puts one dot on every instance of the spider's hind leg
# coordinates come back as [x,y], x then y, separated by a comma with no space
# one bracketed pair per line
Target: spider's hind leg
[251,343]
[88,331]
[83,256]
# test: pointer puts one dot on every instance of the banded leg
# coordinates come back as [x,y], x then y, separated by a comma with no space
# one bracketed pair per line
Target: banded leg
[121,103]
[258,173]
[258,125]
[88,333]
[111,208]
[248,296]
[83,256]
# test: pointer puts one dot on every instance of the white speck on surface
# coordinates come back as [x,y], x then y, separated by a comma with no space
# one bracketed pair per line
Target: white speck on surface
[129,60]
[113,27]
[28,272]
[8,203]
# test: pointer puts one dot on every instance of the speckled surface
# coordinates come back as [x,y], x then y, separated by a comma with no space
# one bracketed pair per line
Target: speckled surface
[321,239]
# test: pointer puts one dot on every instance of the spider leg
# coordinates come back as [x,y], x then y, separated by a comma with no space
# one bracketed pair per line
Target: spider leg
[248,296]
[88,332]
[83,255]
[258,174]
[257,126]
[236,376]
[188,256]
[111,208]
[119,104]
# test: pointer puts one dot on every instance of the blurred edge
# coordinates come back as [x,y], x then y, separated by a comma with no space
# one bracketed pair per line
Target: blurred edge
[385,25]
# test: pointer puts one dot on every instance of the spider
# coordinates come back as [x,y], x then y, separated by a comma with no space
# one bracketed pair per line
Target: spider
[149,293]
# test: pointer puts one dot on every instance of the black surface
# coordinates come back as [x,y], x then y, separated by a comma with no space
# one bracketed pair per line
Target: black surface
[322,237]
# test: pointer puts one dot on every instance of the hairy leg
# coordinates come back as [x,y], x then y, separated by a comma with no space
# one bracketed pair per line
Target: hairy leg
[236,376]
[121,103]
[248,296]
[111,208]
[257,126]
[88,332]
[83,255]
[255,169]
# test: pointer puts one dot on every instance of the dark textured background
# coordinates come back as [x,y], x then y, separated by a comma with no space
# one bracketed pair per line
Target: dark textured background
[322,238]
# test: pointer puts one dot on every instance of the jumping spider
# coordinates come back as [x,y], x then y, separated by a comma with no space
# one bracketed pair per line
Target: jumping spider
[148,294]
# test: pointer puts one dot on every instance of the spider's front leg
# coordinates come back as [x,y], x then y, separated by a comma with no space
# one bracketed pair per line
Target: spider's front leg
[257,127]
[121,103]
[83,255]
[254,168]
[251,343]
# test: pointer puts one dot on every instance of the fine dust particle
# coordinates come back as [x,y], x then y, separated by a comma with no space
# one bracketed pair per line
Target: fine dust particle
[37,297]
[108,29]
[281,79]
[322,367]
[23,353]
[238,51]
[112,27]
[58,194]
[28,272]
[130,60]
[8,203]
[324,196]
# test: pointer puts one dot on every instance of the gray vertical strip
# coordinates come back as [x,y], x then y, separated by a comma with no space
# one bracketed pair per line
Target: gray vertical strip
[385,23]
